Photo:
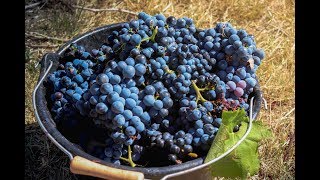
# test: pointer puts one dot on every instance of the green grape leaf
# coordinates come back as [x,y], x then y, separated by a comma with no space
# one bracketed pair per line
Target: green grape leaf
[242,161]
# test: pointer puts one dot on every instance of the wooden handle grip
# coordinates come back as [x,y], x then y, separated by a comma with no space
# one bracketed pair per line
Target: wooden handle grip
[80,165]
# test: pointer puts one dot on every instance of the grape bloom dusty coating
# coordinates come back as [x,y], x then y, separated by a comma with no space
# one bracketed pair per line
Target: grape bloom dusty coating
[157,83]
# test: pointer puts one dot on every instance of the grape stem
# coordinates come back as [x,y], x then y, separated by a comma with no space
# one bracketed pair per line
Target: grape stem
[154,33]
[193,155]
[121,47]
[156,96]
[204,89]
[129,159]
[152,37]
[169,71]
[198,90]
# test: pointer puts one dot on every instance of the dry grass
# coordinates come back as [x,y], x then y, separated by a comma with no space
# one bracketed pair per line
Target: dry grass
[270,21]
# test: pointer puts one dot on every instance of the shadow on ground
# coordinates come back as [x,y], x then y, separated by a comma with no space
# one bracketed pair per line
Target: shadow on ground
[43,160]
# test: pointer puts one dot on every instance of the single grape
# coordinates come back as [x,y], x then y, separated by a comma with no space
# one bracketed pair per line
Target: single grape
[149,100]
[175,149]
[101,108]
[127,114]
[158,104]
[128,71]
[149,90]
[117,107]
[130,103]
[119,120]
[172,157]
[242,84]
[135,39]
[106,88]
[130,131]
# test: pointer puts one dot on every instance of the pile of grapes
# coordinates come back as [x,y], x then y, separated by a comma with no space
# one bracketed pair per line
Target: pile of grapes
[156,88]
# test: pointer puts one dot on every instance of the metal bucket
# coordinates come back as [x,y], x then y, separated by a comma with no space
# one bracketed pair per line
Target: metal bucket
[86,164]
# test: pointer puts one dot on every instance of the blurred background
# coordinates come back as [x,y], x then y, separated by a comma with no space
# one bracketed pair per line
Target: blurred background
[50,23]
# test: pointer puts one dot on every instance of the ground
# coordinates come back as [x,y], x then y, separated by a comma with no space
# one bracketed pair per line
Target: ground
[270,21]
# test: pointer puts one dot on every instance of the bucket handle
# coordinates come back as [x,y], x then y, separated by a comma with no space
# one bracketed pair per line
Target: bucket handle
[80,165]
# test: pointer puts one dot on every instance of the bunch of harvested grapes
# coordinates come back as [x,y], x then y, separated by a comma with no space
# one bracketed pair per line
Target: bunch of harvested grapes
[156,88]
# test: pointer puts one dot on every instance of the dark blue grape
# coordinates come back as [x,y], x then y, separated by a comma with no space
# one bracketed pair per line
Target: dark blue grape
[117,107]
[130,131]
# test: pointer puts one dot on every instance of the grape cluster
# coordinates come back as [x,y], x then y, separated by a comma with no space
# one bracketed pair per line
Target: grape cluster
[158,83]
